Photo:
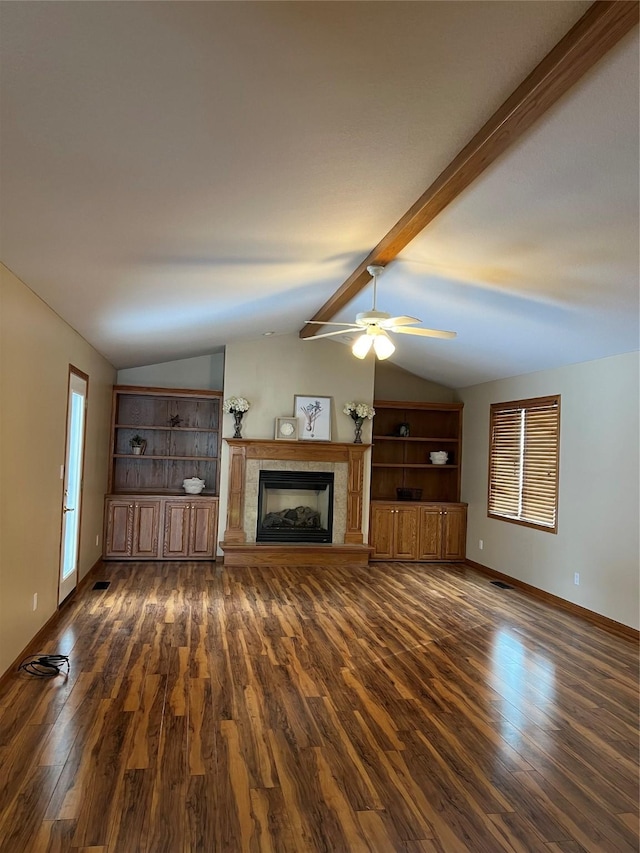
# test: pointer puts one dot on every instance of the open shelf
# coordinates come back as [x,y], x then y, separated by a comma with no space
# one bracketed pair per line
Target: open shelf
[172,453]
[402,461]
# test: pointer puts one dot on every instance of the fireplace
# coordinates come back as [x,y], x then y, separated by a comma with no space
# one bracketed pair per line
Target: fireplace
[295,506]
[345,460]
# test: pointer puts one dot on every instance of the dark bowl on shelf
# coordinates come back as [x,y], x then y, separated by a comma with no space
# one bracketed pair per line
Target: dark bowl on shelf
[409,494]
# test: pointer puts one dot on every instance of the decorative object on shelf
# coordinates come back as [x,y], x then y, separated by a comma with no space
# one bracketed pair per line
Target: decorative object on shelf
[193,485]
[409,494]
[314,417]
[175,421]
[286,429]
[236,406]
[404,430]
[439,457]
[138,445]
[358,412]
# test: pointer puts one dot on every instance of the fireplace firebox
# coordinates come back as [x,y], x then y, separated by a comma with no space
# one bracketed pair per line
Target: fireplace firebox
[295,506]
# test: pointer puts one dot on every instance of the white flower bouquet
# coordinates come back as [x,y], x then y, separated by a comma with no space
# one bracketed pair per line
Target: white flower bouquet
[359,411]
[236,404]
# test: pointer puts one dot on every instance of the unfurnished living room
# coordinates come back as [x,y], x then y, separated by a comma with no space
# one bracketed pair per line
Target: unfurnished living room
[319,458]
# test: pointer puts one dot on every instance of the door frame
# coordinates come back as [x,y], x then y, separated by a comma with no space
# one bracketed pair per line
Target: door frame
[73,370]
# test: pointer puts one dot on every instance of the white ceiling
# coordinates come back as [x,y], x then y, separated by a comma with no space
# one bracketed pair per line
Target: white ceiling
[176,176]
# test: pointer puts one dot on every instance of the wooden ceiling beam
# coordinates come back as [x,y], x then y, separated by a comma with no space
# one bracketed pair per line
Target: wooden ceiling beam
[601,27]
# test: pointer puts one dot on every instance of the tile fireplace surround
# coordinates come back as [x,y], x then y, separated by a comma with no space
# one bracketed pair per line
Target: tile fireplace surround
[248,456]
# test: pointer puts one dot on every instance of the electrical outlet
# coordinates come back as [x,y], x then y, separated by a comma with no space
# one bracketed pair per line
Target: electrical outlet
[35,601]
[576,578]
[97,540]
[480,544]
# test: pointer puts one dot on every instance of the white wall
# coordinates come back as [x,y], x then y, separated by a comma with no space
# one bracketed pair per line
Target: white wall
[395,383]
[598,497]
[270,371]
[36,348]
[205,371]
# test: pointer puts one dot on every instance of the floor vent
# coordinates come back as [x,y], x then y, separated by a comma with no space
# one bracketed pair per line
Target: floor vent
[501,584]
[101,584]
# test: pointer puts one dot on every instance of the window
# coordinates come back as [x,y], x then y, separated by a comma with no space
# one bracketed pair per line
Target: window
[523,462]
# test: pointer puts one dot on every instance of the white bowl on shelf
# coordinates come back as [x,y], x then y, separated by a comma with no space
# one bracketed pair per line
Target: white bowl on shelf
[193,485]
[439,457]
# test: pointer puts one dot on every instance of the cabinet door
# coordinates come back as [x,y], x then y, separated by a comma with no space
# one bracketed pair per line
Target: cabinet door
[203,529]
[146,529]
[430,532]
[118,528]
[454,533]
[406,532]
[381,528]
[176,529]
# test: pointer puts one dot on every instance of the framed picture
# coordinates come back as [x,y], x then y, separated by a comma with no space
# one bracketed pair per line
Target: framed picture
[314,417]
[286,429]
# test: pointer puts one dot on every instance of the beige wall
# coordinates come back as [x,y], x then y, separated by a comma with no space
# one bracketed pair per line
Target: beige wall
[36,348]
[269,371]
[394,383]
[598,499]
[205,371]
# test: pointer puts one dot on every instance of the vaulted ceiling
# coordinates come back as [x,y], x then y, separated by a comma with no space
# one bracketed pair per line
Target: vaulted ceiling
[177,176]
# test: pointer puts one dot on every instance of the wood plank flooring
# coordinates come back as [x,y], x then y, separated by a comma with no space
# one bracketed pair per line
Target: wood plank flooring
[398,707]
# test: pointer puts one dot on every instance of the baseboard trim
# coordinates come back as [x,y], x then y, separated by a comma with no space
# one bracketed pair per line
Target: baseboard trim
[598,619]
[34,642]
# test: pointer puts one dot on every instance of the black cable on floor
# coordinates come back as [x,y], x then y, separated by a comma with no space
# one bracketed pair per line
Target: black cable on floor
[45,666]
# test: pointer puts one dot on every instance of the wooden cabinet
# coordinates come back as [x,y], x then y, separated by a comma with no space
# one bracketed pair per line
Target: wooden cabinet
[394,532]
[190,529]
[413,531]
[454,532]
[443,530]
[147,514]
[154,528]
[431,525]
[132,528]
[118,528]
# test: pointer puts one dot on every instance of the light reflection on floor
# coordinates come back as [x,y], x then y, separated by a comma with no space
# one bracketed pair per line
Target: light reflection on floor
[526,680]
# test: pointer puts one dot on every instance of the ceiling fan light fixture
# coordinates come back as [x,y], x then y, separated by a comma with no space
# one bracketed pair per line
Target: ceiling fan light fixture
[383,346]
[362,345]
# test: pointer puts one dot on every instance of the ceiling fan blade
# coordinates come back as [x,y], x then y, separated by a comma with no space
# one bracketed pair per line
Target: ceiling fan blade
[399,321]
[326,323]
[425,333]
[329,334]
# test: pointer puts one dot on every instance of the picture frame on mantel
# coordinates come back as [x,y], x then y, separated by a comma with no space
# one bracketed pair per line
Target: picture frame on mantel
[286,429]
[313,414]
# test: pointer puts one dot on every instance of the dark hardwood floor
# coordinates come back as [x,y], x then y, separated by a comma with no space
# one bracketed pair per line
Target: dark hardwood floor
[401,707]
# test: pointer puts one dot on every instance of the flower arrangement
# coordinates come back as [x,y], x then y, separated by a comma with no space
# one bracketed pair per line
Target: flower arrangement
[359,411]
[236,404]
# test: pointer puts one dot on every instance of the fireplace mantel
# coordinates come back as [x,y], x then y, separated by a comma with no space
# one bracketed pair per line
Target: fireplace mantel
[241,450]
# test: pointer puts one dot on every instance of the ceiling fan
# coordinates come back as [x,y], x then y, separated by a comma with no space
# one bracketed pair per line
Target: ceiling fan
[376,325]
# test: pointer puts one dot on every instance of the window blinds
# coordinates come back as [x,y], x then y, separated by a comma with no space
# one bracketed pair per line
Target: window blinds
[523,461]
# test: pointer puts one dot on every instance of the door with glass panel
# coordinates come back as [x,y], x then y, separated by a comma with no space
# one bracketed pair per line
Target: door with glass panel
[72,493]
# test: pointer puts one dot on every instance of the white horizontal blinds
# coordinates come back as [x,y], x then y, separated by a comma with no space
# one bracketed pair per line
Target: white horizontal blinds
[540,465]
[505,470]
[523,463]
